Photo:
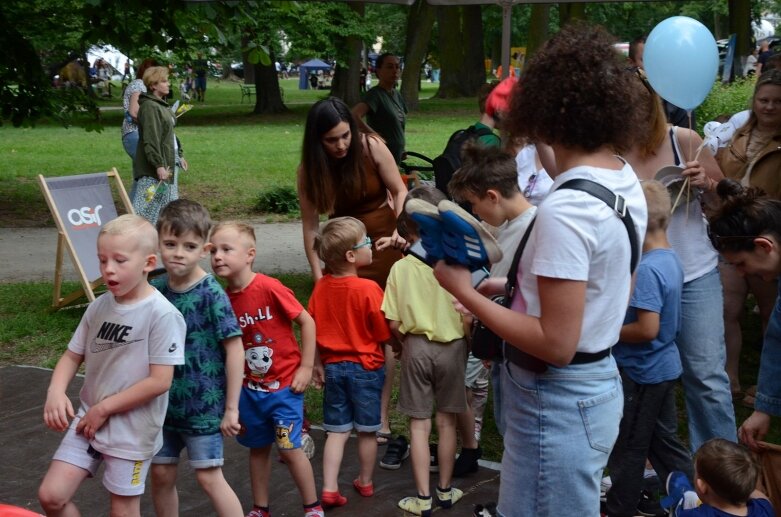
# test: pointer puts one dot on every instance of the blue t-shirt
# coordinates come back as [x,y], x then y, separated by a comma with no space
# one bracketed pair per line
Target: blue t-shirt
[196,400]
[657,289]
[756,508]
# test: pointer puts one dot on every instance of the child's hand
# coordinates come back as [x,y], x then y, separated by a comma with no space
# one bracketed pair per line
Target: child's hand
[318,376]
[301,379]
[57,411]
[394,241]
[230,425]
[92,422]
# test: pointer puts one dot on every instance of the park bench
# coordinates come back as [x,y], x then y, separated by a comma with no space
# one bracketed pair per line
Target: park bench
[247,90]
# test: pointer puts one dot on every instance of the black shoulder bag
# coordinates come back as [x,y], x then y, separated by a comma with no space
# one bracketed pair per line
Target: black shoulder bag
[618,204]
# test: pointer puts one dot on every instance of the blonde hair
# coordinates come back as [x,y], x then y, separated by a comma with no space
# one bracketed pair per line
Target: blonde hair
[154,75]
[659,205]
[133,226]
[336,237]
[242,229]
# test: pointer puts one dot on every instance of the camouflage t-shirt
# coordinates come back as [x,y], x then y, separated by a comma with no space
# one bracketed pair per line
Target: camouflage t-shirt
[196,401]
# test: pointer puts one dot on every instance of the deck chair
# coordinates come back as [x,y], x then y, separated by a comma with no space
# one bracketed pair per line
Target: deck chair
[80,206]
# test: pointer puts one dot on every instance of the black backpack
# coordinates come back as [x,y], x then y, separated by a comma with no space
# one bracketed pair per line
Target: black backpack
[449,161]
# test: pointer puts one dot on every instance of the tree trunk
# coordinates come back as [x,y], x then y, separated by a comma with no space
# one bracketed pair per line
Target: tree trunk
[347,80]
[538,28]
[249,68]
[268,95]
[474,51]
[420,21]
[571,12]
[458,72]
[740,24]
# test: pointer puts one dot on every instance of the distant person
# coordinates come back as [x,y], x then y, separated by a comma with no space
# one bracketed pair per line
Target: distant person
[384,107]
[363,78]
[750,68]
[675,115]
[764,54]
[126,72]
[351,334]
[160,153]
[201,68]
[276,372]
[203,403]
[130,104]
[129,341]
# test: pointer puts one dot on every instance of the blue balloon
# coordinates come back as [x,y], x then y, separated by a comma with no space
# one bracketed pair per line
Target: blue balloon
[681,61]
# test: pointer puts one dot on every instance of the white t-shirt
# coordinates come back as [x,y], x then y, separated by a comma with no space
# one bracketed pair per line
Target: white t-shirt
[509,237]
[533,182]
[118,343]
[578,237]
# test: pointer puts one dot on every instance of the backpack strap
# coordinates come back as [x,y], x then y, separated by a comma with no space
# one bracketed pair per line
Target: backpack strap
[618,204]
[479,131]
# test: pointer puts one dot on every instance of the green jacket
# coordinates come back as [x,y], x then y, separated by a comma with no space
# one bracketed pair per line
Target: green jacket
[156,137]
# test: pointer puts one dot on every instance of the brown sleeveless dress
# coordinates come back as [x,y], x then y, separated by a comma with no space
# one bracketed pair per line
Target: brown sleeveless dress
[371,207]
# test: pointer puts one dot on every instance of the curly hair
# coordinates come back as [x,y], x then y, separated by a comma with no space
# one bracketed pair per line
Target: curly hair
[575,92]
[743,215]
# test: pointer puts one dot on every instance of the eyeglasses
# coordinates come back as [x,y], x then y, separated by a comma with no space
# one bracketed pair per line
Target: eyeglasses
[366,243]
[731,241]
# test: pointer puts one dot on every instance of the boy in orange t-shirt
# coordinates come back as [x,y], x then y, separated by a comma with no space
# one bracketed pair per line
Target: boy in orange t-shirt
[351,332]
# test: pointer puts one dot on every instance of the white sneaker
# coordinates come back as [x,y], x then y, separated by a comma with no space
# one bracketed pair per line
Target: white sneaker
[308,445]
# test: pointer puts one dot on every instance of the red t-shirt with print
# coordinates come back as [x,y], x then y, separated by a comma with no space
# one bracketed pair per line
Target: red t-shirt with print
[265,310]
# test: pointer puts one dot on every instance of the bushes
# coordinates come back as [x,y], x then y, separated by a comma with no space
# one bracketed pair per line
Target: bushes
[725,99]
[278,200]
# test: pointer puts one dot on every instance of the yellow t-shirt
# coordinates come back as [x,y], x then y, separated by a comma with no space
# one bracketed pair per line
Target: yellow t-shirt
[414,298]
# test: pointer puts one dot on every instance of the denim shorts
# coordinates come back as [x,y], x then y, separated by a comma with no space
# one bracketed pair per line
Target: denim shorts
[203,450]
[352,398]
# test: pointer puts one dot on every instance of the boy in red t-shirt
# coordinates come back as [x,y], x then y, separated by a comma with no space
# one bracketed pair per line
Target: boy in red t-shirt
[351,332]
[276,373]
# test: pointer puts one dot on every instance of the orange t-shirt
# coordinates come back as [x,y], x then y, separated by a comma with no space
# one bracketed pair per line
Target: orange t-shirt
[350,324]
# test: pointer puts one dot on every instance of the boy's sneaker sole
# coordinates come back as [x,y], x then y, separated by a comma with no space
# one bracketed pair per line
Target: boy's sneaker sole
[465,240]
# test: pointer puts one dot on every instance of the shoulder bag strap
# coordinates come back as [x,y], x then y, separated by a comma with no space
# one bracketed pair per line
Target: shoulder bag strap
[512,275]
[617,203]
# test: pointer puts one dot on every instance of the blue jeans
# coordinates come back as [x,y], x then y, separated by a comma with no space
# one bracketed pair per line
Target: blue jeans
[352,398]
[703,355]
[130,143]
[559,429]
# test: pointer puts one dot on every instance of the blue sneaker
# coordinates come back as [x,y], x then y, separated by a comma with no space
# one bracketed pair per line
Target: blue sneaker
[465,241]
[429,222]
[677,485]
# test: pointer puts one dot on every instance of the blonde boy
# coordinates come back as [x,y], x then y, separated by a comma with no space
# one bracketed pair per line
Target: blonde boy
[276,372]
[129,340]
[351,332]
[211,376]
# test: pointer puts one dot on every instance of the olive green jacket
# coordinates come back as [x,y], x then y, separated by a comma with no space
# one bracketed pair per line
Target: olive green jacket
[156,142]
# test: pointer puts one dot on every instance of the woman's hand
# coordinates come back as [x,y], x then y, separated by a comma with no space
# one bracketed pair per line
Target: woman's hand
[395,241]
[698,177]
[163,173]
[754,429]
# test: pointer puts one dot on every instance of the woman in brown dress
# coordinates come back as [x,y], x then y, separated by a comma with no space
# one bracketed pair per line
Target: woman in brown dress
[347,173]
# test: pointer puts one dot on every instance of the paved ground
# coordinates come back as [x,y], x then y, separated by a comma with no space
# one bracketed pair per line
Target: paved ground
[28,254]
[26,447]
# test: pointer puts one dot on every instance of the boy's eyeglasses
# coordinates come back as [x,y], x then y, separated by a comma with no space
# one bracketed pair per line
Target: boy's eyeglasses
[366,243]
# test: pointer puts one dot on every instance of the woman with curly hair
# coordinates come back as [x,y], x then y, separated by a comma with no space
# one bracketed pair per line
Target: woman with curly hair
[562,397]
[746,230]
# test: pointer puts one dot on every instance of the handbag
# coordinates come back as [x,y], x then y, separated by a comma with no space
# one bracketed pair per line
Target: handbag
[485,343]
[151,195]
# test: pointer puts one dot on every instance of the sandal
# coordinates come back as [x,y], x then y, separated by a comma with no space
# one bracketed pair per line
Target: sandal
[383,438]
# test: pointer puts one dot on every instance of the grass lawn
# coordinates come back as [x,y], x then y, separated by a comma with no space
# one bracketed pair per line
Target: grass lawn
[234,156]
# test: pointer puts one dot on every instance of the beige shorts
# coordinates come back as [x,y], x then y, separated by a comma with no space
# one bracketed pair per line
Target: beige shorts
[432,374]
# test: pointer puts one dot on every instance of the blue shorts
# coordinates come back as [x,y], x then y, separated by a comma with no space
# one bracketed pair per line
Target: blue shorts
[200,83]
[352,398]
[203,450]
[268,417]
